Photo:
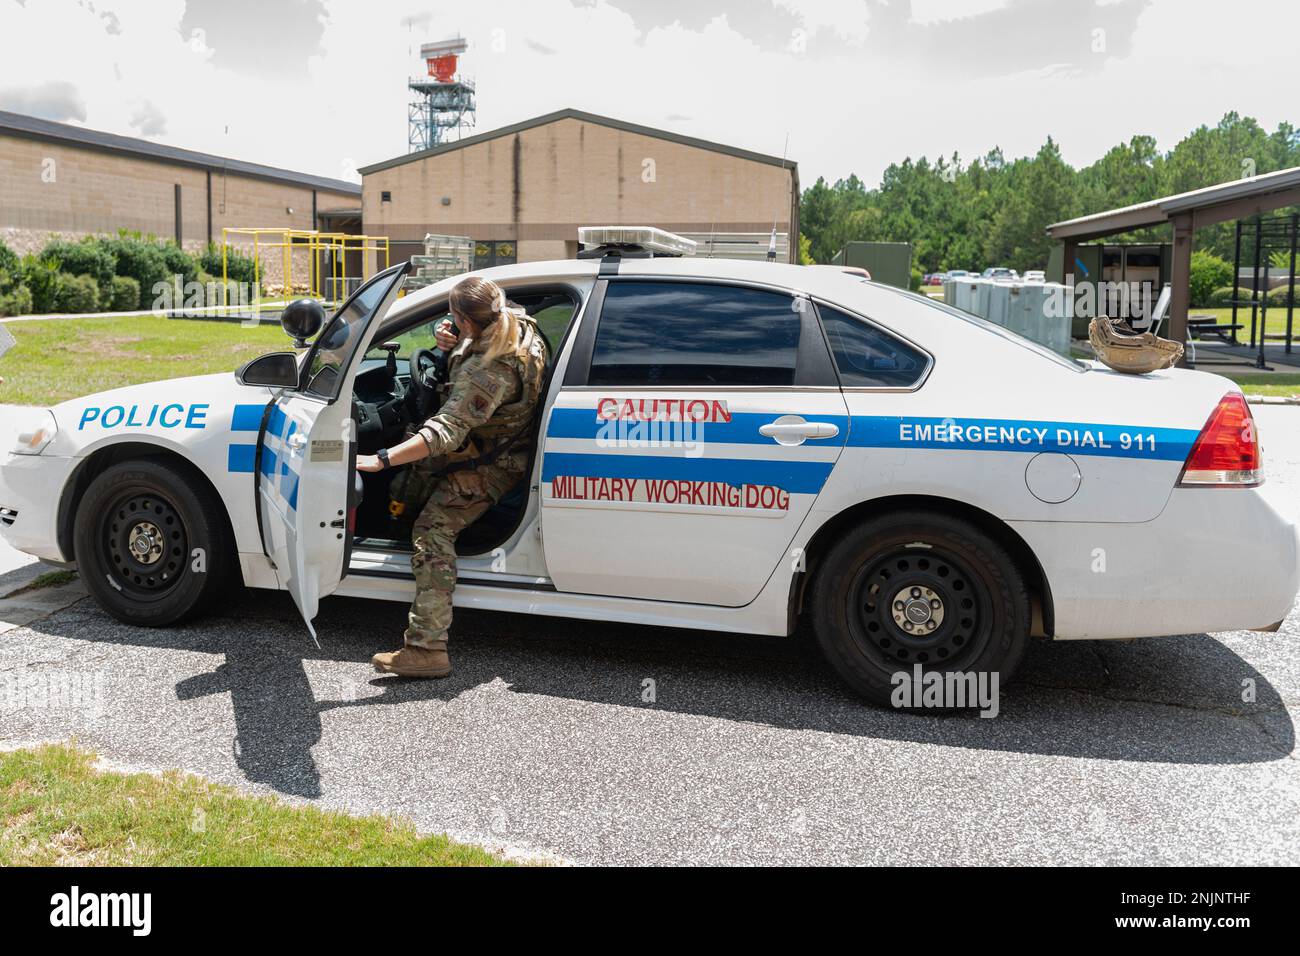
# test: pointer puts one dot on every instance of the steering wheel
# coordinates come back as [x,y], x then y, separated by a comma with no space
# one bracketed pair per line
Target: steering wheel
[421,390]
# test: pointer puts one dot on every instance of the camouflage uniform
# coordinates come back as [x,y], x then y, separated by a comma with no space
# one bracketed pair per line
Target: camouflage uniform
[489,403]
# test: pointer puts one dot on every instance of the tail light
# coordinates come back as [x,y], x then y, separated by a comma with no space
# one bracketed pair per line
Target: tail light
[1226,452]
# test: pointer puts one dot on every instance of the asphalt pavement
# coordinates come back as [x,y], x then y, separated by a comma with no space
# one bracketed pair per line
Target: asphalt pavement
[604,743]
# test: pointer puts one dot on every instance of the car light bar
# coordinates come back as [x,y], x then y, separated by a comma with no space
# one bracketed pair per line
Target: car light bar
[1226,453]
[646,238]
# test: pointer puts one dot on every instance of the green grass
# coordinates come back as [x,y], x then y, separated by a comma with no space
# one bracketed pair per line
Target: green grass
[553,322]
[1282,384]
[50,579]
[1253,383]
[57,809]
[1276,321]
[57,359]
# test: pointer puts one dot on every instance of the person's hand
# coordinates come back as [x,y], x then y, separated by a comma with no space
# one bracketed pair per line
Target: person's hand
[369,463]
[445,336]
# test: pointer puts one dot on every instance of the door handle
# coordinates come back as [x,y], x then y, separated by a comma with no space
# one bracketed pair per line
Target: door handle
[297,441]
[793,430]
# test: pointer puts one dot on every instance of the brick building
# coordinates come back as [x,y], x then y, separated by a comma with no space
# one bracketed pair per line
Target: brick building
[59,179]
[522,191]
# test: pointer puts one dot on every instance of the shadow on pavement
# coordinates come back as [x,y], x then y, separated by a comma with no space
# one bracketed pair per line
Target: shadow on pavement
[1175,700]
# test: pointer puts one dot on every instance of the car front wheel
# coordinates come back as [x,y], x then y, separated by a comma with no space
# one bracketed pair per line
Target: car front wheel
[151,542]
[919,589]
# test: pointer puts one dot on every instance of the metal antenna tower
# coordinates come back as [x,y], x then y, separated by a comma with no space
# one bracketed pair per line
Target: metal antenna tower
[442,100]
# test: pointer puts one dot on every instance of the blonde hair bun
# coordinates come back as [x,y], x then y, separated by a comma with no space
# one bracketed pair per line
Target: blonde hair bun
[485,304]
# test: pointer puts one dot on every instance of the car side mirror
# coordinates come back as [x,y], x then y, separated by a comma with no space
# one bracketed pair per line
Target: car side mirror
[302,319]
[274,370]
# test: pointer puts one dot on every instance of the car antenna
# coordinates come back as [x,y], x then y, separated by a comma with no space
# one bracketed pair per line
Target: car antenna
[771,242]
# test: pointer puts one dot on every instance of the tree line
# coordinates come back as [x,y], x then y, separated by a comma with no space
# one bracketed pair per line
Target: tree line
[995,212]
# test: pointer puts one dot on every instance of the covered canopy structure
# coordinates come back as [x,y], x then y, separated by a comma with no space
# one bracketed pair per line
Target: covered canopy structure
[1185,212]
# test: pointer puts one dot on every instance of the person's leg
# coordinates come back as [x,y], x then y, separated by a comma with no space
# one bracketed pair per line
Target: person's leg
[447,513]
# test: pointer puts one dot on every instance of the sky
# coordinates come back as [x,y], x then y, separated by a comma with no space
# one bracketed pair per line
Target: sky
[840,86]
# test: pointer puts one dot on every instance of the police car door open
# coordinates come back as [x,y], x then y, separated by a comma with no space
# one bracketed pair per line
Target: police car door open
[306,456]
[689,443]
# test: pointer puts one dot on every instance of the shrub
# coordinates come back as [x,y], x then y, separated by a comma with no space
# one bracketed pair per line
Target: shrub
[914,282]
[142,260]
[43,280]
[124,294]
[1209,272]
[11,271]
[77,294]
[88,256]
[1222,297]
[216,292]
[17,301]
[212,289]
[239,267]
[179,262]
[1277,298]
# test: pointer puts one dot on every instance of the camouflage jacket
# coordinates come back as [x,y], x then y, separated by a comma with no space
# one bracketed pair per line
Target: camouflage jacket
[488,402]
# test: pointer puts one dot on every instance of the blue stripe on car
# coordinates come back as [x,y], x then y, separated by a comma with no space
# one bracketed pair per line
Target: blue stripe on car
[1017,435]
[276,423]
[268,462]
[905,431]
[246,418]
[741,430]
[240,458]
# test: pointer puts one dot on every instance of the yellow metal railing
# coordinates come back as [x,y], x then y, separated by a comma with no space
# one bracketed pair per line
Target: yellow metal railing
[326,252]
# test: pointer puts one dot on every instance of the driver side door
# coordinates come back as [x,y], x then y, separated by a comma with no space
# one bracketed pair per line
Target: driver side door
[307,451]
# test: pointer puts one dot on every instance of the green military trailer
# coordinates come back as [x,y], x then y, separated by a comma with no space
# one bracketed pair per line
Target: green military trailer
[888,262]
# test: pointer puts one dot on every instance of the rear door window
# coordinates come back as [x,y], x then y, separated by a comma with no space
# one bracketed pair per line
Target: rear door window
[658,334]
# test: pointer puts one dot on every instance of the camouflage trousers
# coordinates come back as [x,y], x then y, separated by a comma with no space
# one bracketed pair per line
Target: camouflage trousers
[458,499]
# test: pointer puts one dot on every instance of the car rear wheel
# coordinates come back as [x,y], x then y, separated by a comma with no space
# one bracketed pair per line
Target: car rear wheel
[151,543]
[918,589]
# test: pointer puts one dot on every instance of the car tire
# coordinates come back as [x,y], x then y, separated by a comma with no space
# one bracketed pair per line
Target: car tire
[152,543]
[867,596]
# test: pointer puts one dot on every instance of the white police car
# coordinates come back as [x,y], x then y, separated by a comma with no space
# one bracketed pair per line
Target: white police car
[723,445]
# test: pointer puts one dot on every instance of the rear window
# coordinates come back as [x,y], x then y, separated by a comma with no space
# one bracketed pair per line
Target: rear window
[868,357]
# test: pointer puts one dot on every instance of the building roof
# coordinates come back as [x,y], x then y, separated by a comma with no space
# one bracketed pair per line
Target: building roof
[16,124]
[1275,189]
[586,118]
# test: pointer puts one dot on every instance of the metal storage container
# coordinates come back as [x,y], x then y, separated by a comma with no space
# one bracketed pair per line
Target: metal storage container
[1039,311]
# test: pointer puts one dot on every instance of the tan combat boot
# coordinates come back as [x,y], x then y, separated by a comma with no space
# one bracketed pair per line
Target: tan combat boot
[413,661]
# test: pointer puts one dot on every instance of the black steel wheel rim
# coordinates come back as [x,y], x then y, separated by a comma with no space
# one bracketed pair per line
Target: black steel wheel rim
[918,604]
[145,545]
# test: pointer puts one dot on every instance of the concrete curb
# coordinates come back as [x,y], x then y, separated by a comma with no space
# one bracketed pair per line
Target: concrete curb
[24,609]
[198,312]
[1272,400]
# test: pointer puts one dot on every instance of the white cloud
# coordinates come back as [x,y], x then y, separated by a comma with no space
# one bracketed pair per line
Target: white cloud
[848,19]
[56,100]
[148,120]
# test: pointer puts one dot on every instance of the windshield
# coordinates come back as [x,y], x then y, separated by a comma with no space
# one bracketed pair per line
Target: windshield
[551,309]
[333,348]
[411,341]
[995,329]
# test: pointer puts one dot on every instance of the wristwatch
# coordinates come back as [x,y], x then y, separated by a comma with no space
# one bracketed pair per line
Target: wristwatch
[382,455]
